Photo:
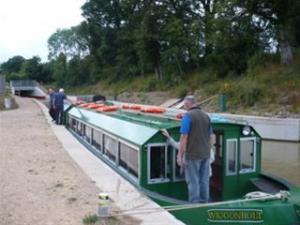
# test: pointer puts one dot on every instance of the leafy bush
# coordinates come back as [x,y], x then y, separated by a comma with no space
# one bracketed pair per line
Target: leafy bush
[151,85]
[255,62]
[181,91]
[246,94]
[90,219]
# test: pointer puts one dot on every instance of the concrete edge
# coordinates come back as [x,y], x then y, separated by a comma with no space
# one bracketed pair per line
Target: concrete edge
[271,128]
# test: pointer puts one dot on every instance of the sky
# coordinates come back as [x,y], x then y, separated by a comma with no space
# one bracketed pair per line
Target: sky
[26,25]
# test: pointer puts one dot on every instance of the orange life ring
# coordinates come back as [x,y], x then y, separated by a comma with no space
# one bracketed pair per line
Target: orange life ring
[132,106]
[108,108]
[84,105]
[153,109]
[92,106]
[98,106]
[79,102]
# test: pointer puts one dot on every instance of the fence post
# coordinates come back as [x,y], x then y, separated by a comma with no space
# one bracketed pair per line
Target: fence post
[222,102]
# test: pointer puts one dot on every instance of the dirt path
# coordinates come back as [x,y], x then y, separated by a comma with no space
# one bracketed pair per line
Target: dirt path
[39,182]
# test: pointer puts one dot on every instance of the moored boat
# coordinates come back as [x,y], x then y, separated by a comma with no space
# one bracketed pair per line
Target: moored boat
[130,141]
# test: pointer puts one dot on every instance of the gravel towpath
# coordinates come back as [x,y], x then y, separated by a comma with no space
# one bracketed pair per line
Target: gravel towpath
[39,183]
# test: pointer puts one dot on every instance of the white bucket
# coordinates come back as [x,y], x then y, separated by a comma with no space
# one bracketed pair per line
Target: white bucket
[7,103]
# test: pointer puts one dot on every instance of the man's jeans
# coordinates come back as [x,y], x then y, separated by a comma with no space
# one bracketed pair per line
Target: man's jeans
[59,114]
[197,179]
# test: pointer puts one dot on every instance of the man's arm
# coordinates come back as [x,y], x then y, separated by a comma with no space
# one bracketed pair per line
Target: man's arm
[184,130]
[182,148]
[173,143]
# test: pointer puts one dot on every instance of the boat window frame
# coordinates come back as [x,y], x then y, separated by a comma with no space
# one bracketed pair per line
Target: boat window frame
[219,144]
[228,172]
[101,151]
[132,147]
[244,171]
[79,128]
[72,123]
[105,151]
[157,180]
[88,135]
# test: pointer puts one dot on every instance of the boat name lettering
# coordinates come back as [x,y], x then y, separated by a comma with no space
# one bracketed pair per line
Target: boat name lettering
[235,215]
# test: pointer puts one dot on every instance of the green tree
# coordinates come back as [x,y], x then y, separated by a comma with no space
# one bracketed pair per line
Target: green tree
[234,41]
[279,19]
[13,64]
[128,38]
[59,70]
[70,42]
[32,68]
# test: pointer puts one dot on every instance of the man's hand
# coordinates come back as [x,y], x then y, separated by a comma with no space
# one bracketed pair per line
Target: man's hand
[179,159]
[165,133]
[182,149]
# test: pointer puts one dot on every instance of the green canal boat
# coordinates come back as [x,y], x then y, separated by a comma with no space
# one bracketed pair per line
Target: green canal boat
[128,138]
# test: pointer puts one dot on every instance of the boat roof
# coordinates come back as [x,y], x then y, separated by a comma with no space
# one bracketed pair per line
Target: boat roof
[136,133]
[171,114]
[142,126]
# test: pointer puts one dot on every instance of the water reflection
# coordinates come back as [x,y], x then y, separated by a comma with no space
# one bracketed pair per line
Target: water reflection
[282,159]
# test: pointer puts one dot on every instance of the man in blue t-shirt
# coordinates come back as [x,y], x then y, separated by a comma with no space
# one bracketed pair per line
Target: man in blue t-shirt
[194,150]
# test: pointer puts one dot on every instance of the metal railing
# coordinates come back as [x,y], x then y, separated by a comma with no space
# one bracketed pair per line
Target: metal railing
[22,83]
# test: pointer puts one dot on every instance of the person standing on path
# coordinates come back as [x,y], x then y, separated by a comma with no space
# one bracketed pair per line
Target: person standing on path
[58,103]
[51,105]
[194,150]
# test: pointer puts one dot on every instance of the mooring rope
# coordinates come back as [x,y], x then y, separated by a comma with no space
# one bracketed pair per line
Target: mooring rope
[251,197]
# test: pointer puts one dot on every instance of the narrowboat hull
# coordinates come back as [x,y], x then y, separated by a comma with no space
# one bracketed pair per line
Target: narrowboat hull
[240,211]
[132,145]
[264,212]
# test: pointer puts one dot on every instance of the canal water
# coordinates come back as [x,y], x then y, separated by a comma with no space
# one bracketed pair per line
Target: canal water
[282,159]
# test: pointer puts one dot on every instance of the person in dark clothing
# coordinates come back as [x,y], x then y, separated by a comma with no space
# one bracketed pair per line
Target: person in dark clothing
[58,103]
[98,98]
[51,101]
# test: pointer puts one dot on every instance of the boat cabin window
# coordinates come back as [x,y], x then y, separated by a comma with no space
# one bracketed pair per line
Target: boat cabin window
[72,124]
[247,155]
[217,144]
[88,134]
[78,128]
[97,138]
[157,163]
[231,156]
[128,159]
[111,147]
[81,130]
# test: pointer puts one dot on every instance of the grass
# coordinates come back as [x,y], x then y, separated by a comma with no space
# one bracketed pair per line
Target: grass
[270,87]
[95,220]
[90,219]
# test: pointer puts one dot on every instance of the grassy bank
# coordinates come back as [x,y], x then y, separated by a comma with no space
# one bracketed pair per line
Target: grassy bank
[269,89]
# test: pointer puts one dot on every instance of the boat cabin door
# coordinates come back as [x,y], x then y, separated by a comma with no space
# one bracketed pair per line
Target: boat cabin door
[240,165]
[216,180]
